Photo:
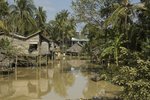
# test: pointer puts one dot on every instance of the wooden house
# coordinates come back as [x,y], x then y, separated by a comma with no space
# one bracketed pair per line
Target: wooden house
[34,44]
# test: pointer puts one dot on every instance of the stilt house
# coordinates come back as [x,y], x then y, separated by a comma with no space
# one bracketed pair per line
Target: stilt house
[34,44]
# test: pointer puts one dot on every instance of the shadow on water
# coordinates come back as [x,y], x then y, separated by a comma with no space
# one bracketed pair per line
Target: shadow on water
[60,80]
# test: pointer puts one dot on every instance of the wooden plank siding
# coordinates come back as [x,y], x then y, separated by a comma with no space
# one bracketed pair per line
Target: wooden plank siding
[23,43]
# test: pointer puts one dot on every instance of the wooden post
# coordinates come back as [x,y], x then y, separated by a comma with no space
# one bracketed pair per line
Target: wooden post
[46,60]
[9,66]
[39,59]
[27,57]
[38,82]
[46,72]
[70,56]
[16,67]
[36,57]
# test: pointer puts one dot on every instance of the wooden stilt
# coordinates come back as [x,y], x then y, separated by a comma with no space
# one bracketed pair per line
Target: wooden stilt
[40,61]
[9,68]
[46,60]
[46,72]
[16,67]
[37,61]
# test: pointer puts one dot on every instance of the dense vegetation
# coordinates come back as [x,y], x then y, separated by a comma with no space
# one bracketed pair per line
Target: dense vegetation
[24,18]
[119,33]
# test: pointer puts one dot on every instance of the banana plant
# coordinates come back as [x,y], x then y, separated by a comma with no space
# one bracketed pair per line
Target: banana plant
[114,48]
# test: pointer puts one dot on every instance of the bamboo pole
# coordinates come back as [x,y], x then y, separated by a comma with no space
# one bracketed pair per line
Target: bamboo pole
[39,59]
[46,60]
[38,82]
[9,66]
[46,72]
[16,67]
[36,57]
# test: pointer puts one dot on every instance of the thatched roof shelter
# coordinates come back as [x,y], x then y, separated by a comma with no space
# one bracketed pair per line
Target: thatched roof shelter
[76,48]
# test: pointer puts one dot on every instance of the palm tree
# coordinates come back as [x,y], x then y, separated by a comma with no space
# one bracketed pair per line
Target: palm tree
[23,12]
[40,18]
[4,12]
[63,27]
[3,9]
[123,11]
[120,19]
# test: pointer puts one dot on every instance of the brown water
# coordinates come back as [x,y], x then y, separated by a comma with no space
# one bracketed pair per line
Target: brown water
[60,80]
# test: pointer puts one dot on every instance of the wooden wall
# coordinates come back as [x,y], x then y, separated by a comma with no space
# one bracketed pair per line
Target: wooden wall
[23,45]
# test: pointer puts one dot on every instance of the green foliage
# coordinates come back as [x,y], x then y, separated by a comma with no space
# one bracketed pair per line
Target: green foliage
[135,81]
[92,11]
[119,40]
[40,18]
[2,26]
[7,48]
[63,28]
[103,77]
[3,9]
[22,16]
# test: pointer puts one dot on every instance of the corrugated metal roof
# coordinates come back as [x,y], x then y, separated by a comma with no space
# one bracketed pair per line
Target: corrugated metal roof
[76,39]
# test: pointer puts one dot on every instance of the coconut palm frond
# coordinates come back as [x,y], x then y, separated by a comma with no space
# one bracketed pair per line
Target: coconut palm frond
[112,20]
[29,19]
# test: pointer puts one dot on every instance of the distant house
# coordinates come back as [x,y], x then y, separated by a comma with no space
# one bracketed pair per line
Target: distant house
[79,40]
[75,49]
[34,44]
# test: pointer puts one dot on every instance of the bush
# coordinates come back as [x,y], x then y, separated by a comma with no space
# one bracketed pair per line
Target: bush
[135,81]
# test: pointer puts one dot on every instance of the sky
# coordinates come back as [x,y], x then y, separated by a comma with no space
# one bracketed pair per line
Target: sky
[52,7]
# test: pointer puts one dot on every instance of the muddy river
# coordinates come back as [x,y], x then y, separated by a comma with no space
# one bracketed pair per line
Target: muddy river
[60,80]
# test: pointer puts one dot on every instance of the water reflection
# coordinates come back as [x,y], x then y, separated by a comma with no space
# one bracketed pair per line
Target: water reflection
[101,88]
[62,81]
[58,81]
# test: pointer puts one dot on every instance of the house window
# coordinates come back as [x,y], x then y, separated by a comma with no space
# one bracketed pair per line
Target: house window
[32,47]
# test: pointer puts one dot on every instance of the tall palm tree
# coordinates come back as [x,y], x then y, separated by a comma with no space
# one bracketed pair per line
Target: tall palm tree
[63,27]
[23,12]
[4,12]
[124,10]
[120,19]
[40,18]
[3,8]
